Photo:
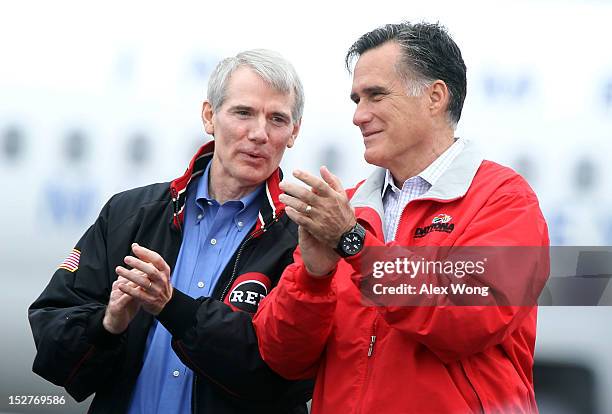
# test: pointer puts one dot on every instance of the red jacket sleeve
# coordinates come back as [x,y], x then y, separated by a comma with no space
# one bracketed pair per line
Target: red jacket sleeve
[294,321]
[509,218]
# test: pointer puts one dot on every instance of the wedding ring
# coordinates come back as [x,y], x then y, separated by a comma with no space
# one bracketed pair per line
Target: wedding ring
[308,209]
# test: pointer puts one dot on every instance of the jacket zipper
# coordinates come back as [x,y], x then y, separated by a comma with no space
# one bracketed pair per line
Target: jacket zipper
[194,393]
[194,398]
[175,207]
[472,387]
[240,250]
[370,362]
[397,224]
[231,279]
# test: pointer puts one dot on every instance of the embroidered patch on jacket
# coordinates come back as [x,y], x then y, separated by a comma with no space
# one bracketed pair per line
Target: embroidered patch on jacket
[441,218]
[71,263]
[441,222]
[247,291]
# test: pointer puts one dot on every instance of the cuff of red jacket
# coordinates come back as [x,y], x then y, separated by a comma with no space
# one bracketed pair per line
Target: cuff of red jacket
[318,285]
[98,335]
[179,313]
[357,262]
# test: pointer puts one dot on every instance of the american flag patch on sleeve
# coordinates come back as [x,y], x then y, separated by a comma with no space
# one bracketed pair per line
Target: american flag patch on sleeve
[71,263]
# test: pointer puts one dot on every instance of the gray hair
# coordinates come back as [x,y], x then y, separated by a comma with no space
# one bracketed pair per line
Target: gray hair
[428,53]
[267,64]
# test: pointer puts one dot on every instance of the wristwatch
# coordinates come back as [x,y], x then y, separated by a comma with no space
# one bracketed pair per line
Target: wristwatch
[351,242]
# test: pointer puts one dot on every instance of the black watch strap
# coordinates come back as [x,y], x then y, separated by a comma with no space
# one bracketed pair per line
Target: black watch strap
[351,242]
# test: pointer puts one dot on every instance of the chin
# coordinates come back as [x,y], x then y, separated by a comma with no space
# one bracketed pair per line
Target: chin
[253,176]
[373,158]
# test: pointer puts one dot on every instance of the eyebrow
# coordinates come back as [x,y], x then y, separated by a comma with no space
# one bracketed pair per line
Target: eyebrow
[240,108]
[247,108]
[370,90]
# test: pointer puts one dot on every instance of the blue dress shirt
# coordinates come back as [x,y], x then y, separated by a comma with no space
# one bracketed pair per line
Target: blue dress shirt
[211,234]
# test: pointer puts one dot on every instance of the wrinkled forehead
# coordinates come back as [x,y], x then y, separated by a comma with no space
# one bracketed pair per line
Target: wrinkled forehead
[246,87]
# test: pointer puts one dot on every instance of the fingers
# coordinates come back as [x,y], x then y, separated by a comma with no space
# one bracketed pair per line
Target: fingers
[150,264]
[318,186]
[330,213]
[293,202]
[134,275]
[148,280]
[152,298]
[124,299]
[119,299]
[329,186]
[116,283]
[299,197]
[298,217]
[134,292]
[333,181]
[298,192]
[148,269]
[304,221]
[150,256]
[145,268]
[121,279]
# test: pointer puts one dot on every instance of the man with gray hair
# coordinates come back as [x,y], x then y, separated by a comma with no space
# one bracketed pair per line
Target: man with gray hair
[152,309]
[424,352]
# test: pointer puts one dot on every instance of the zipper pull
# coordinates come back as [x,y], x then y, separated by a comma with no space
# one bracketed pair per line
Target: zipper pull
[371,348]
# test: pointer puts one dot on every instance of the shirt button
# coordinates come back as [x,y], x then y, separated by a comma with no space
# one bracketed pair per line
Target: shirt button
[176,373]
[200,284]
[213,241]
[200,217]
[240,224]
[210,203]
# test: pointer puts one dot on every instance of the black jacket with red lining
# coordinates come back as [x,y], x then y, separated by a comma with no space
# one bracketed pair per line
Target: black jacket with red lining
[213,336]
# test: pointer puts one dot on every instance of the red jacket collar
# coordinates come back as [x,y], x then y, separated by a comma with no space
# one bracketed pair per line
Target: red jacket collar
[271,208]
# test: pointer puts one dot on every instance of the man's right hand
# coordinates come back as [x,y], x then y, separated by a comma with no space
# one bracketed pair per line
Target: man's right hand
[121,308]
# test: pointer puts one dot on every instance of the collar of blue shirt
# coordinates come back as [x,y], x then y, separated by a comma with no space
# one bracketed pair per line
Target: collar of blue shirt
[203,195]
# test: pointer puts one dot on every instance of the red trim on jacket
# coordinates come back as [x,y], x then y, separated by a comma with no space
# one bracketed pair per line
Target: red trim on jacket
[270,211]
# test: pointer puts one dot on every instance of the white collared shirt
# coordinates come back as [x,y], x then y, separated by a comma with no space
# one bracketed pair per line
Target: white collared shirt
[395,200]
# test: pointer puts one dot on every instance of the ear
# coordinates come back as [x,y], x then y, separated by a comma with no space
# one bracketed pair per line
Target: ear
[439,97]
[208,118]
[294,133]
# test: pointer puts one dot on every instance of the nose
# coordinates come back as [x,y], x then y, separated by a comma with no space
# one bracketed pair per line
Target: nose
[361,116]
[257,131]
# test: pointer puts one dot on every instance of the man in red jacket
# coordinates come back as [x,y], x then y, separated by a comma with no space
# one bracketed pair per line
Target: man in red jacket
[431,189]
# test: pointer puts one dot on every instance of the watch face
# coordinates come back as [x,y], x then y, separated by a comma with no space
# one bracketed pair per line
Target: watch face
[351,243]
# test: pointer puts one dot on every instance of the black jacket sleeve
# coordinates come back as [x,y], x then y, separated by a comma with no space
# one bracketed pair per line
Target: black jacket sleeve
[221,345]
[73,348]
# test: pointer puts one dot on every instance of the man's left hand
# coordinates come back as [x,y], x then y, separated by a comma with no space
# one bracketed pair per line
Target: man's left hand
[323,210]
[151,274]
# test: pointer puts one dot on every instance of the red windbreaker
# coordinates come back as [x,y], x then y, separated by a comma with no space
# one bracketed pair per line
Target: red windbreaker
[429,359]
